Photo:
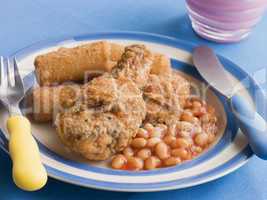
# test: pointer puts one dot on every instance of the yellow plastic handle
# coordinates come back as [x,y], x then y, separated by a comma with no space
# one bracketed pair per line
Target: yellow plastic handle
[28,171]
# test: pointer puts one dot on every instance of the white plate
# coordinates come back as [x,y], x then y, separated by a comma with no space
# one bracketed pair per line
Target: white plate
[229,153]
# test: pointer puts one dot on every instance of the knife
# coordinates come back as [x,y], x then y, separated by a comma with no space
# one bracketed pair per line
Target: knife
[250,122]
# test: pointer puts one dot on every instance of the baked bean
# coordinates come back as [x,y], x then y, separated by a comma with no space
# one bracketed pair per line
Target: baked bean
[118,161]
[172,161]
[188,103]
[180,143]
[197,129]
[201,139]
[198,112]
[149,127]
[205,118]
[134,163]
[188,117]
[188,110]
[204,103]
[211,138]
[144,153]
[210,128]
[181,153]
[172,130]
[163,127]
[139,143]
[196,120]
[169,139]
[197,149]
[162,150]
[196,104]
[142,133]
[184,134]
[210,110]
[157,132]
[152,142]
[152,163]
[213,119]
[185,126]
[128,152]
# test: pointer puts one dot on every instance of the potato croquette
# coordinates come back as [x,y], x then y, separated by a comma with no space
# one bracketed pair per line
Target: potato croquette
[72,64]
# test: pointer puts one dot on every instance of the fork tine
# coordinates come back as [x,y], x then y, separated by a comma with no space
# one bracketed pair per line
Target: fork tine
[9,75]
[2,72]
[17,77]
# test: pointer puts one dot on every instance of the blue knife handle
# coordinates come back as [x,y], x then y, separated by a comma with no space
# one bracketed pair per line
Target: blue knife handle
[251,124]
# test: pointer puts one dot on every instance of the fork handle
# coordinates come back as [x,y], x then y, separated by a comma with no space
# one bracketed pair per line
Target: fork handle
[28,171]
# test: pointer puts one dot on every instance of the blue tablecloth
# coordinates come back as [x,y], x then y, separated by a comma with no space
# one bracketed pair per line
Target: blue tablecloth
[25,22]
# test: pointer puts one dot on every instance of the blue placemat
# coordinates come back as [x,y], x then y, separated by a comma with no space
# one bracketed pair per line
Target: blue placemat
[25,22]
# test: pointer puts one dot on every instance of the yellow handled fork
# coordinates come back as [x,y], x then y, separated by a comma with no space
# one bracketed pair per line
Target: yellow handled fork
[28,171]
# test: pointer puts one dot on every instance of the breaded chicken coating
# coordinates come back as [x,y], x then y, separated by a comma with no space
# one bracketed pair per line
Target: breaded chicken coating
[165,97]
[96,136]
[135,64]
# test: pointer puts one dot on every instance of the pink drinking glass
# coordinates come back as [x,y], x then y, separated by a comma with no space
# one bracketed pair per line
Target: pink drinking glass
[225,20]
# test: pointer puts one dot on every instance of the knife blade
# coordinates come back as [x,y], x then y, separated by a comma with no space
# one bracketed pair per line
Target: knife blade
[212,70]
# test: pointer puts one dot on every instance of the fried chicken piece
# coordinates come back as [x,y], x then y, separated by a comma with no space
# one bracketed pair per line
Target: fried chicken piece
[112,109]
[107,120]
[165,97]
[135,64]
[96,136]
